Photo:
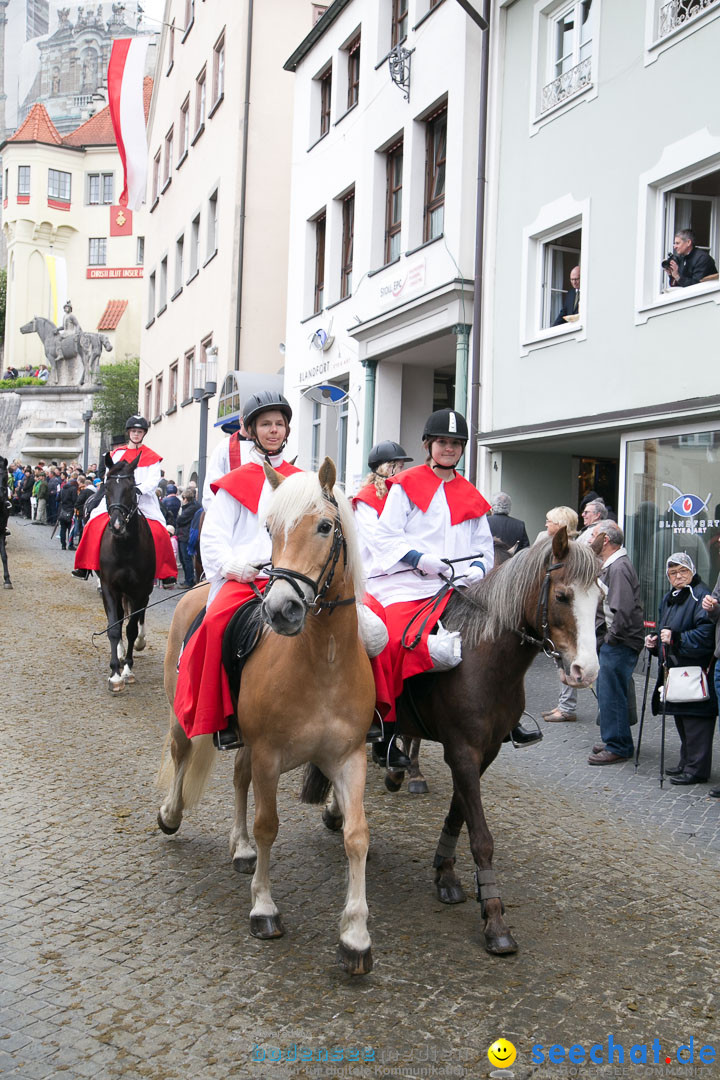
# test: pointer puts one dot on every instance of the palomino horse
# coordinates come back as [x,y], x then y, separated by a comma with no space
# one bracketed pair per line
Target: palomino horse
[4,516]
[544,599]
[306,695]
[127,569]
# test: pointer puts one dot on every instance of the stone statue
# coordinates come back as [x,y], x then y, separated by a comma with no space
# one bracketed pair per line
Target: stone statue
[70,324]
[64,345]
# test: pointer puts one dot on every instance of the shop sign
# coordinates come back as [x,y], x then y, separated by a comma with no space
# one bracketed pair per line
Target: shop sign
[403,285]
[686,507]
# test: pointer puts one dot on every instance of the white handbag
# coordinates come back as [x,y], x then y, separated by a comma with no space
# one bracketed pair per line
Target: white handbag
[684,685]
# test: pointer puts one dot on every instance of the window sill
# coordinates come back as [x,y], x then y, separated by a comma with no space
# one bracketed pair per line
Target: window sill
[658,46]
[149,324]
[154,204]
[188,28]
[552,334]
[197,134]
[425,243]
[347,111]
[58,204]
[385,57]
[216,105]
[193,276]
[171,410]
[156,419]
[170,67]
[372,273]
[313,145]
[336,302]
[166,185]
[161,311]
[23,200]
[96,266]
[309,318]
[183,157]
[210,258]
[679,299]
[187,401]
[176,294]
[583,94]
[427,15]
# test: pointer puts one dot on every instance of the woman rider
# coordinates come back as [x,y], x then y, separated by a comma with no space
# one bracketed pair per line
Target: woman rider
[385,459]
[147,475]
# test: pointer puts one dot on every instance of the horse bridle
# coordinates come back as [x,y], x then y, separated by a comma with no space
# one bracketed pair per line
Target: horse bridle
[126,512]
[322,584]
[545,642]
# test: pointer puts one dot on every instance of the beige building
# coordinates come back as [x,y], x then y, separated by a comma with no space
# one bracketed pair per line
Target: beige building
[219,137]
[66,236]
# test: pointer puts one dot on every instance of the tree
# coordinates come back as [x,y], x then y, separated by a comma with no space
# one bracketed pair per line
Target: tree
[118,398]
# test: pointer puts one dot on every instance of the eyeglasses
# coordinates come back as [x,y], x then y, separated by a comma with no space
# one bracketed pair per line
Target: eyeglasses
[678,571]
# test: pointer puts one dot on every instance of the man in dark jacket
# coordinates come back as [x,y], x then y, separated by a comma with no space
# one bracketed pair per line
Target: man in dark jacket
[621,637]
[508,529]
[170,505]
[66,511]
[182,532]
[690,264]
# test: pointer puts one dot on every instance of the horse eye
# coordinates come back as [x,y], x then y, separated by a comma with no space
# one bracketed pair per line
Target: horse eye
[562,597]
[325,527]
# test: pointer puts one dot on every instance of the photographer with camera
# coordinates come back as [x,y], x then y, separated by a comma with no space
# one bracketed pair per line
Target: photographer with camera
[686,264]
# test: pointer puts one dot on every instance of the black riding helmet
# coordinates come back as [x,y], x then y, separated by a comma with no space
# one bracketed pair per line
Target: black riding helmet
[261,402]
[386,451]
[446,423]
[137,421]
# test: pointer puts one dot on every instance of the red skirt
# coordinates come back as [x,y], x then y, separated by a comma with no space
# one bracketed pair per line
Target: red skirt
[203,702]
[87,556]
[402,661]
[382,669]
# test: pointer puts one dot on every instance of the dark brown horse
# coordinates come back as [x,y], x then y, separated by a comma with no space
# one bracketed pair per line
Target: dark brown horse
[544,599]
[4,515]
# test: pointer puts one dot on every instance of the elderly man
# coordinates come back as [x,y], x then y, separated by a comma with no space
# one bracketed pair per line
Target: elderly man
[594,511]
[621,637]
[509,530]
[571,303]
[690,264]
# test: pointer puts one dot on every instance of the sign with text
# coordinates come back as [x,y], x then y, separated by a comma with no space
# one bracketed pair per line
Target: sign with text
[114,272]
[402,284]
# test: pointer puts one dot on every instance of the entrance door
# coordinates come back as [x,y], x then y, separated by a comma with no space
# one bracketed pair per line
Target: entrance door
[600,475]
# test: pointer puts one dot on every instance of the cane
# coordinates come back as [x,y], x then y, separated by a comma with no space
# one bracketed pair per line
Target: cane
[648,665]
[664,710]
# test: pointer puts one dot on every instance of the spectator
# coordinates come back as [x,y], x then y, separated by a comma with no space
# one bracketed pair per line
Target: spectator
[620,639]
[162,484]
[84,492]
[40,494]
[690,264]
[686,637]
[66,512]
[53,493]
[571,304]
[509,530]
[188,510]
[170,505]
[42,373]
[594,511]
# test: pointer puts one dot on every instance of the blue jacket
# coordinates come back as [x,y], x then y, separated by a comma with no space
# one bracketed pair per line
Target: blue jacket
[693,642]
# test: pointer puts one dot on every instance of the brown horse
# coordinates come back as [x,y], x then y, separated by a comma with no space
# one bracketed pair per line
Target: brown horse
[306,695]
[544,599]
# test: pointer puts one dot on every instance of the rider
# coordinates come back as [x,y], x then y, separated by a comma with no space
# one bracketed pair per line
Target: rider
[147,474]
[235,550]
[385,459]
[227,455]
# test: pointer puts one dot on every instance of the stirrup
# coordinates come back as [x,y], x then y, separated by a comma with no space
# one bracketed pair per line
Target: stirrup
[228,739]
[79,572]
[521,738]
[376,731]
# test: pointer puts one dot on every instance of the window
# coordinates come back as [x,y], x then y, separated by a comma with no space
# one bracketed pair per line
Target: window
[353,72]
[569,54]
[58,185]
[168,163]
[151,297]
[678,13]
[158,397]
[393,205]
[200,100]
[436,148]
[179,261]
[693,204]
[348,228]
[319,263]
[188,375]
[194,247]
[184,127]
[173,387]
[560,256]
[171,47]
[316,432]
[212,224]
[325,101]
[140,251]
[7,185]
[23,180]
[100,189]
[148,399]
[156,178]
[189,15]
[219,69]
[399,27]
[162,286]
[97,255]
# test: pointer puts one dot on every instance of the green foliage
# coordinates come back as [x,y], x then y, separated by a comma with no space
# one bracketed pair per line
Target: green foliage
[12,384]
[118,398]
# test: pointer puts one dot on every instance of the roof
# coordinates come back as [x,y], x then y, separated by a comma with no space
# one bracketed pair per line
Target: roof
[112,314]
[37,127]
[98,130]
[315,34]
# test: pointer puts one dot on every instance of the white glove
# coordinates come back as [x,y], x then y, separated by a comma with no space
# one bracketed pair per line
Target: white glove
[373,631]
[475,573]
[239,570]
[433,566]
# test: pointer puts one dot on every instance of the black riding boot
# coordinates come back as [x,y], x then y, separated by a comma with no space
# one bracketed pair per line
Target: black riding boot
[229,738]
[375,732]
[84,574]
[521,737]
[388,755]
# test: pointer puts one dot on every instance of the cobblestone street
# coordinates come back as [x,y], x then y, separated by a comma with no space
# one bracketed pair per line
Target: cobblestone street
[125,953]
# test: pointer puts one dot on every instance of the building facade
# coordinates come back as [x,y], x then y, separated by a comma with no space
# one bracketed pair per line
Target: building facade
[387,103]
[217,216]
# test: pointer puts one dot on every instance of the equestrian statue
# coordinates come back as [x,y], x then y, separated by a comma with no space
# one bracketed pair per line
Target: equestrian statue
[67,343]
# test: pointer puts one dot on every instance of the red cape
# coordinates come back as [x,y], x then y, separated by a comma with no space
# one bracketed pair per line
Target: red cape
[246,483]
[147,456]
[369,495]
[463,499]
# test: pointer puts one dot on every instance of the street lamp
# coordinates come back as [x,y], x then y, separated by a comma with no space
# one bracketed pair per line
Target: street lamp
[205,388]
[87,417]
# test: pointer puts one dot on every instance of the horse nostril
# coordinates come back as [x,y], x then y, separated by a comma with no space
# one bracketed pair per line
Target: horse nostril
[291,610]
[576,672]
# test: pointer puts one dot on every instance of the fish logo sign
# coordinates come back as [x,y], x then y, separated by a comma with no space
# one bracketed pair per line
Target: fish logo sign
[687,505]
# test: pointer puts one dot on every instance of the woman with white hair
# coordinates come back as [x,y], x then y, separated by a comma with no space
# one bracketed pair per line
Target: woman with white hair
[686,637]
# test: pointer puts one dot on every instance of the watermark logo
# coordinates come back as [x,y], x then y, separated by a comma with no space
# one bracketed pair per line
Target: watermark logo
[502,1053]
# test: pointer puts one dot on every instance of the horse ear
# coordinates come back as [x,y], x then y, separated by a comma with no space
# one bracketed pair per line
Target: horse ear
[560,544]
[597,543]
[134,464]
[108,461]
[275,478]
[327,474]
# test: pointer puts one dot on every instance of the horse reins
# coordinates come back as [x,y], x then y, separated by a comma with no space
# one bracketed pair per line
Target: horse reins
[545,642]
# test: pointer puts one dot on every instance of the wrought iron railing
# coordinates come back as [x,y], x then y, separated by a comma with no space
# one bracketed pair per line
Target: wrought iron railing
[566,85]
[679,12]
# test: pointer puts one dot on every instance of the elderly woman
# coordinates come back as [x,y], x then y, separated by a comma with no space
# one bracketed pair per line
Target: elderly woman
[687,637]
[566,709]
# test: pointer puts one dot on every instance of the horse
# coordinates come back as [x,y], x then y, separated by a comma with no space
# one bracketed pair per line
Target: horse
[543,599]
[5,507]
[127,569]
[87,347]
[306,696]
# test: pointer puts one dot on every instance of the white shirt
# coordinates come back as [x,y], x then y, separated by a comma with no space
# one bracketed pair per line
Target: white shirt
[219,465]
[147,478]
[366,520]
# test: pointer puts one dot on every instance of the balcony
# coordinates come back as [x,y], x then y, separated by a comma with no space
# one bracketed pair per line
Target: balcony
[679,12]
[569,83]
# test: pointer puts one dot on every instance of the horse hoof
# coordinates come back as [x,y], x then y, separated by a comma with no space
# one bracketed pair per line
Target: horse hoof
[334,824]
[166,828]
[245,864]
[140,644]
[501,944]
[116,687]
[266,926]
[418,787]
[7,585]
[354,962]
[394,780]
[130,679]
[451,893]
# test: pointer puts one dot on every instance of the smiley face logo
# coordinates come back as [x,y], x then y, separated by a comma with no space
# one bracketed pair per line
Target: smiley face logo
[502,1053]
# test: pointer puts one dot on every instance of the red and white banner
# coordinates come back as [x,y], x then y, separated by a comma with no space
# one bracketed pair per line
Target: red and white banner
[126,72]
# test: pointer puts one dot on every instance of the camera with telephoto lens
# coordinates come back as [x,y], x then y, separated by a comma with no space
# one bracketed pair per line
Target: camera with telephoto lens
[666,262]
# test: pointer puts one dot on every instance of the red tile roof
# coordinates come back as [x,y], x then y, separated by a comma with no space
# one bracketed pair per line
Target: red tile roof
[98,130]
[112,314]
[37,127]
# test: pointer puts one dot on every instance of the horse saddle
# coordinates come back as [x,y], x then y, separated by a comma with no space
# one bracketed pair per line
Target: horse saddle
[241,636]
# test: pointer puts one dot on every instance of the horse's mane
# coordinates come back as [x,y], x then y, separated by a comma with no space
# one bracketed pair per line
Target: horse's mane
[496,605]
[301,494]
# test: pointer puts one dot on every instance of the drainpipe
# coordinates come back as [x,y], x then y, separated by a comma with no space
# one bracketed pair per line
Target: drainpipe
[462,348]
[243,185]
[475,386]
[369,406]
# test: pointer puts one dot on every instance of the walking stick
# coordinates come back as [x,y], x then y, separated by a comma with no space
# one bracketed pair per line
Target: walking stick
[664,710]
[55,528]
[648,663]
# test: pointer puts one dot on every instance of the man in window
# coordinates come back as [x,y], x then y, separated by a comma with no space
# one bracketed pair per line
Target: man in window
[571,303]
[690,264]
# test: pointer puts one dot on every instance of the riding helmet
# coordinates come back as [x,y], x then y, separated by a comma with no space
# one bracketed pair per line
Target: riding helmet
[386,451]
[261,402]
[446,423]
[137,421]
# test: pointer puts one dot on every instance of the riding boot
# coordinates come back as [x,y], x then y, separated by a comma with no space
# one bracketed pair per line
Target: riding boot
[374,733]
[229,738]
[521,737]
[168,582]
[387,755]
[84,574]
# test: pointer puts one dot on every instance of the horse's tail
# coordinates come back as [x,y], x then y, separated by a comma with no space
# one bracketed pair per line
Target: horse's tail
[199,765]
[316,786]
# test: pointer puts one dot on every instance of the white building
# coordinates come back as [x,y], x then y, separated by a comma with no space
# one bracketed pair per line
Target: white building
[217,214]
[382,225]
[598,157]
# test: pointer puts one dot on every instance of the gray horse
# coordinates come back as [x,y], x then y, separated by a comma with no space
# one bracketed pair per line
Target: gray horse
[85,347]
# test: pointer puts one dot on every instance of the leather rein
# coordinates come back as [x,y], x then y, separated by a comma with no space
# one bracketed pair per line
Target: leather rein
[126,512]
[545,642]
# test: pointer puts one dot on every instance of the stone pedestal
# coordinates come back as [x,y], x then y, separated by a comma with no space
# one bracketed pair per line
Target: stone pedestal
[45,423]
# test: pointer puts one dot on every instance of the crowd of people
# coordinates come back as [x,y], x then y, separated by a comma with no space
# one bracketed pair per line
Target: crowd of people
[12,374]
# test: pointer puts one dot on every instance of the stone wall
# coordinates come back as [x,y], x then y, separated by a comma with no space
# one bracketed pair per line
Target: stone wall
[46,422]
